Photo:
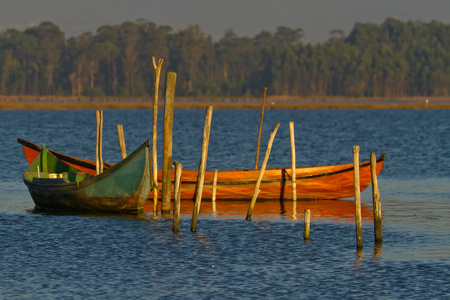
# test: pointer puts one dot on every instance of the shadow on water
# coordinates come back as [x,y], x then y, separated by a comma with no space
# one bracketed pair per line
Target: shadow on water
[56,212]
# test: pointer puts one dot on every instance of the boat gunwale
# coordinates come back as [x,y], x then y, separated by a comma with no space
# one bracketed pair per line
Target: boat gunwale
[88,164]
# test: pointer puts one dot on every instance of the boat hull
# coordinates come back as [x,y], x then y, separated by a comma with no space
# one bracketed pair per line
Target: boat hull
[313,183]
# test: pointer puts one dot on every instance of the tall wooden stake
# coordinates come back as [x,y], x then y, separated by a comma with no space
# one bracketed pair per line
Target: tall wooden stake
[157,69]
[261,173]
[100,148]
[202,169]
[99,154]
[293,175]
[123,151]
[169,100]
[177,196]
[260,128]
[376,199]
[357,188]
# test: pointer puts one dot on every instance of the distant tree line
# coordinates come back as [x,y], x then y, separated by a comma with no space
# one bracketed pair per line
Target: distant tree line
[394,58]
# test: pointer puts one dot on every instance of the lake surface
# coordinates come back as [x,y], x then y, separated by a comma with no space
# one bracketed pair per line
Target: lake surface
[47,255]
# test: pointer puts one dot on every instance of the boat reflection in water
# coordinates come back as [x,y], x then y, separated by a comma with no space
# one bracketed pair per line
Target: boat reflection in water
[331,210]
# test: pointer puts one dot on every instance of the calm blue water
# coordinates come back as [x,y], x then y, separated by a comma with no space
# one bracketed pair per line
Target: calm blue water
[79,256]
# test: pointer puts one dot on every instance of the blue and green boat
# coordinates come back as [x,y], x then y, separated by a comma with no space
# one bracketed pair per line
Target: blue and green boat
[123,188]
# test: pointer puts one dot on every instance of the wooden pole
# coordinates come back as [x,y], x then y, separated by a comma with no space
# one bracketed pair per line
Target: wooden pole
[376,199]
[213,197]
[202,168]
[357,188]
[177,196]
[167,141]
[157,69]
[261,173]
[260,128]
[97,160]
[123,151]
[101,141]
[99,154]
[307,223]
[293,175]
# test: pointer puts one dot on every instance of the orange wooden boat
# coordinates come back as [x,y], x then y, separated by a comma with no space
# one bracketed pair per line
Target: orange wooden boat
[322,182]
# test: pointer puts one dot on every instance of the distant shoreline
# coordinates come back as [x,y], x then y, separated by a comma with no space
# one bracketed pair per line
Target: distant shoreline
[272,102]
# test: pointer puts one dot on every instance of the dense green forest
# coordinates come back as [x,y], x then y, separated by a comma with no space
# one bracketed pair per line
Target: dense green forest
[391,59]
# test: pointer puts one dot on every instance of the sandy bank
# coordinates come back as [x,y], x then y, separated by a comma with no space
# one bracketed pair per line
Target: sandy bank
[64,103]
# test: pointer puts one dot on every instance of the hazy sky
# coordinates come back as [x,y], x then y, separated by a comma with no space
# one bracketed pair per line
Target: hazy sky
[245,17]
